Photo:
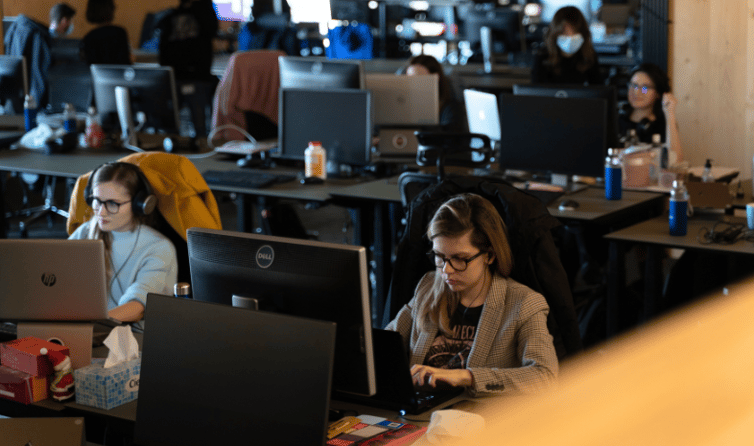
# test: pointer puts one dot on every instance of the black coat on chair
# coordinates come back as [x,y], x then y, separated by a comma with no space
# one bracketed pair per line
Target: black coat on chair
[536,258]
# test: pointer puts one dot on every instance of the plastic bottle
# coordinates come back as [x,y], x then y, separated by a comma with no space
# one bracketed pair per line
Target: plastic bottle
[657,143]
[315,159]
[95,136]
[679,203]
[182,290]
[30,112]
[613,175]
[69,118]
[707,172]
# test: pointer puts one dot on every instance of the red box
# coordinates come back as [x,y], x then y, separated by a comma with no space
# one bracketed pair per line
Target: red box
[24,355]
[22,387]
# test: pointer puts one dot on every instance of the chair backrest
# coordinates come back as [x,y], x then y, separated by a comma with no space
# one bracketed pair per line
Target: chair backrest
[536,257]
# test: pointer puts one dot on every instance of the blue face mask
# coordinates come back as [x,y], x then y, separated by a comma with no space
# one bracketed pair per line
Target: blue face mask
[569,45]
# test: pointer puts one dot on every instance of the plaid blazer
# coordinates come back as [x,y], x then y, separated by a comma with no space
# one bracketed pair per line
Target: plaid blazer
[513,350]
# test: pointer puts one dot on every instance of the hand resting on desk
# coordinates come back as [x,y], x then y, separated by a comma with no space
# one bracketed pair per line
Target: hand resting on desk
[433,377]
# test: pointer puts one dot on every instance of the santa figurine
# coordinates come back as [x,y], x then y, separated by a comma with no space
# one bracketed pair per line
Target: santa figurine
[61,384]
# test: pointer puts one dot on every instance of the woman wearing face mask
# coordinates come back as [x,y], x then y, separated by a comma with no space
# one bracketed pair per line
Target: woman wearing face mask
[568,56]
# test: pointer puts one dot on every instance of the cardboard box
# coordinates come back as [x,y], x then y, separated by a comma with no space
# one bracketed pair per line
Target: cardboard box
[22,387]
[53,431]
[24,355]
[77,336]
[107,388]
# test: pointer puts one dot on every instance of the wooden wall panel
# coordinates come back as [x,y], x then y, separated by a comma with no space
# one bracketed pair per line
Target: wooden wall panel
[712,75]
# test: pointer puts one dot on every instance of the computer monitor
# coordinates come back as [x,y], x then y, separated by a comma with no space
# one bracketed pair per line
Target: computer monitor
[14,84]
[306,278]
[606,92]
[482,113]
[339,119]
[41,283]
[557,135]
[404,100]
[213,374]
[152,90]
[504,24]
[319,72]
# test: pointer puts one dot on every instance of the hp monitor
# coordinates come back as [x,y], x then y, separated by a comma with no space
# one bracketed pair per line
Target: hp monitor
[404,100]
[339,119]
[606,92]
[556,135]
[304,278]
[319,72]
[14,84]
[152,90]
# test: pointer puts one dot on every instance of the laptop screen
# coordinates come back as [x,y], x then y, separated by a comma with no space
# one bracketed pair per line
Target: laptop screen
[41,283]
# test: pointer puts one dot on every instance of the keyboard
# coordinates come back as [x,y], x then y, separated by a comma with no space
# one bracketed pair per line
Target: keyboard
[245,178]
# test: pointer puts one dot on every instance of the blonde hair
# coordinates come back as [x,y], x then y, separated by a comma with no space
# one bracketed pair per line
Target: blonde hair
[456,217]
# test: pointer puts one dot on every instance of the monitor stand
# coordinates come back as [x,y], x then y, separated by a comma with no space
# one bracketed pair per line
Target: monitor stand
[123,105]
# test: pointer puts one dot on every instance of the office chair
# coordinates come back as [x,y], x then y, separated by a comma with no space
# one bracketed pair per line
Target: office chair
[531,236]
[184,200]
[48,210]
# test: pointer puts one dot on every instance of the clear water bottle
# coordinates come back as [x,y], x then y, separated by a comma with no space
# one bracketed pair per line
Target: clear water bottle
[69,118]
[679,206]
[182,290]
[661,149]
[30,112]
[95,136]
[707,172]
[315,160]
[613,175]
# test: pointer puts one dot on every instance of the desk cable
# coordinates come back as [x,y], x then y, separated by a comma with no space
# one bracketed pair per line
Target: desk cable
[251,140]
[724,233]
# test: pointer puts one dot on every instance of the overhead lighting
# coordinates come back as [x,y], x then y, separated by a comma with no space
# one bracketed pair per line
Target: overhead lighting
[373,4]
[428,29]
[533,9]
[418,5]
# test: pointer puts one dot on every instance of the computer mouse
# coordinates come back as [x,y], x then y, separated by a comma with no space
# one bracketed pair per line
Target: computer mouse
[311,180]
[568,205]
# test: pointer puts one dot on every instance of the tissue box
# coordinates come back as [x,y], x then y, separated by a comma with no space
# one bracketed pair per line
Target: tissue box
[22,387]
[107,388]
[23,354]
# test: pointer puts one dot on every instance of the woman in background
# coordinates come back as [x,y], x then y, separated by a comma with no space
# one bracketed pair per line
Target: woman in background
[452,112]
[107,43]
[139,259]
[568,56]
[469,324]
[651,109]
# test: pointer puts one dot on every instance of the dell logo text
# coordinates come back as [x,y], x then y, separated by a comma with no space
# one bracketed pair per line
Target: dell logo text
[48,279]
[265,256]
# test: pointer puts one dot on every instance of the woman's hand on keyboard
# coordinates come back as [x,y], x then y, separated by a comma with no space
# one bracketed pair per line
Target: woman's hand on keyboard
[424,375]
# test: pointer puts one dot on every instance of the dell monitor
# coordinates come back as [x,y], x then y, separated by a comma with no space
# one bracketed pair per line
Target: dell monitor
[606,92]
[404,100]
[339,119]
[319,72]
[152,91]
[14,84]
[561,136]
[312,279]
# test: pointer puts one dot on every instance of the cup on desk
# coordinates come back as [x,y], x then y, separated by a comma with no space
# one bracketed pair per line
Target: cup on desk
[750,216]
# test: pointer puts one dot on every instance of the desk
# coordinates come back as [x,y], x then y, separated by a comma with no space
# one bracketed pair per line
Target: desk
[654,235]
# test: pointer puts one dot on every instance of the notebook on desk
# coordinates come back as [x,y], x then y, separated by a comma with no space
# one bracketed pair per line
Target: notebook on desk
[395,387]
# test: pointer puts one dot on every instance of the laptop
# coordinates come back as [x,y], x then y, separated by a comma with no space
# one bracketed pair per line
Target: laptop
[395,387]
[224,375]
[482,114]
[52,280]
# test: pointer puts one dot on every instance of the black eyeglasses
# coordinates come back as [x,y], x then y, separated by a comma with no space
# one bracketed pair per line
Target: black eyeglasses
[456,263]
[111,206]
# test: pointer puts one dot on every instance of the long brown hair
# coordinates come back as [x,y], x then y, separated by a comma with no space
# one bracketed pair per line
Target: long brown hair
[127,177]
[585,56]
[457,216]
[434,67]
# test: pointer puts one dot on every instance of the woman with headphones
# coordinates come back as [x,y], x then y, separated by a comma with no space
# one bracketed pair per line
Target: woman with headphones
[139,258]
[651,109]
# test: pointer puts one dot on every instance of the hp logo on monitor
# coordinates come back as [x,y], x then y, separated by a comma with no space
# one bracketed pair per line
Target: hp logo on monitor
[48,279]
[265,256]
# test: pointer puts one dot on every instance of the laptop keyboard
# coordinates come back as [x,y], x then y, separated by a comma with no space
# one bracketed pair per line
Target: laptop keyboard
[245,178]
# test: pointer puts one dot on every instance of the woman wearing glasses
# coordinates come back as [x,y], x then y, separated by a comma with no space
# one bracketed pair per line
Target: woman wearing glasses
[651,109]
[469,324]
[139,259]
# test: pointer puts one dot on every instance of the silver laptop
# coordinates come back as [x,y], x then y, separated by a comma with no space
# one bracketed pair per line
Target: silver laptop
[404,100]
[52,280]
[482,114]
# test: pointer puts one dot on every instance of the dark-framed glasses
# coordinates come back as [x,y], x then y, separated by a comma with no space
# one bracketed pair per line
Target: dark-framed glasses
[111,206]
[457,263]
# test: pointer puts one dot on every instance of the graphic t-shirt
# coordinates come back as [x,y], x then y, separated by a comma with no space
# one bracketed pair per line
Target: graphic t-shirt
[453,352]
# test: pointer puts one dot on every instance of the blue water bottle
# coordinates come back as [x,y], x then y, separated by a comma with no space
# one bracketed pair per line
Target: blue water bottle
[30,112]
[69,118]
[613,175]
[679,204]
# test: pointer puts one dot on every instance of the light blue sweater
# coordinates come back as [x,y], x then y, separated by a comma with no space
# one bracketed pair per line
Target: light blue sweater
[144,261]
